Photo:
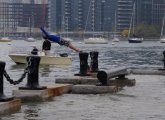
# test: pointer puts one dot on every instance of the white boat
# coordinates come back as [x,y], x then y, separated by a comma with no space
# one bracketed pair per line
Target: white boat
[5,39]
[134,38]
[96,40]
[30,39]
[45,60]
[115,38]
[162,37]
[65,22]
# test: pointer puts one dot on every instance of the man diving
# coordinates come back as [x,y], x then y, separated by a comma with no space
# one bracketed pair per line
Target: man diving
[59,40]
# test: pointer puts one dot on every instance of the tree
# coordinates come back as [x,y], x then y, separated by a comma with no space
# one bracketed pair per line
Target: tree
[147,31]
[125,32]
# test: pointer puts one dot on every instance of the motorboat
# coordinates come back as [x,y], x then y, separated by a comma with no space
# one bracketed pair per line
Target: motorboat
[97,40]
[62,59]
[5,39]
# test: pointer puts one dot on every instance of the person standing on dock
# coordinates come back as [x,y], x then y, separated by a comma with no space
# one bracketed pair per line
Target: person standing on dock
[46,46]
[34,51]
[59,40]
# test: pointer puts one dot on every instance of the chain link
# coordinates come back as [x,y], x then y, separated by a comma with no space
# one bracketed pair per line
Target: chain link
[92,54]
[11,81]
[26,70]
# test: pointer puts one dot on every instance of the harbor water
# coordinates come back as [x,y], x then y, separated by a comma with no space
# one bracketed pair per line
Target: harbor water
[144,101]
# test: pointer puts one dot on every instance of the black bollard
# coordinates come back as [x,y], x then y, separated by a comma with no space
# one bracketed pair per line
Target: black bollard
[94,61]
[83,64]
[163,61]
[32,78]
[104,76]
[164,58]
[3,98]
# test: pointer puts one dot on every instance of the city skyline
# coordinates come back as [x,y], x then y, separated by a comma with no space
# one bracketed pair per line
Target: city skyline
[77,15]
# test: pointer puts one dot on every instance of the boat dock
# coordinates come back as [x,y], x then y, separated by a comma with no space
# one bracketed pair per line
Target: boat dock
[94,81]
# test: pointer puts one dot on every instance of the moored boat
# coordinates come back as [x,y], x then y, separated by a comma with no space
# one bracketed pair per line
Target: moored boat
[5,39]
[30,39]
[135,40]
[115,39]
[95,41]
[45,60]
[162,40]
[162,36]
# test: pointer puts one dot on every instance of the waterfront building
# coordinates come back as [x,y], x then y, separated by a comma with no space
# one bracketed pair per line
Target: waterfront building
[124,13]
[157,12]
[83,15]
[147,12]
[150,11]
[22,16]
[76,15]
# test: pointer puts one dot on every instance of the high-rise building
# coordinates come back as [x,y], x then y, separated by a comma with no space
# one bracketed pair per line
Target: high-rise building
[77,15]
[124,13]
[22,15]
[146,11]
[158,11]
[83,15]
[150,11]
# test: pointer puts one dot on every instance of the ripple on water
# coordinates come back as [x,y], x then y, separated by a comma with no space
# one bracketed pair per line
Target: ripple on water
[144,101]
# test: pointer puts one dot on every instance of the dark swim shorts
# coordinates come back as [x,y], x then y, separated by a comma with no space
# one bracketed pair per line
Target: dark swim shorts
[64,42]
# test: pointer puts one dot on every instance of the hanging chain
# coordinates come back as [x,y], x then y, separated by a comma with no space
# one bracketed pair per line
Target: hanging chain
[26,70]
[92,54]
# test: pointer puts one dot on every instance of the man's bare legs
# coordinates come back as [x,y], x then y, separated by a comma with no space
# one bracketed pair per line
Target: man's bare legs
[74,48]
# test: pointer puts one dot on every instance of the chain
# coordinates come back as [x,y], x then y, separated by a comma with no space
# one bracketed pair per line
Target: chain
[92,54]
[11,81]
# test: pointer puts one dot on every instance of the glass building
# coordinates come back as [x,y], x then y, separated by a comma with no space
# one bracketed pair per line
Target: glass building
[76,15]
[124,14]
[22,16]
[88,15]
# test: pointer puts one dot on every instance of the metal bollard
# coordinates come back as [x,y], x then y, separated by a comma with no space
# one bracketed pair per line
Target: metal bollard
[104,76]
[94,61]
[32,78]
[3,98]
[163,62]
[164,59]
[83,64]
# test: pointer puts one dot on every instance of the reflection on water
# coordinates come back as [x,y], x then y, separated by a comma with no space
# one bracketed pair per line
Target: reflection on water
[45,71]
[144,101]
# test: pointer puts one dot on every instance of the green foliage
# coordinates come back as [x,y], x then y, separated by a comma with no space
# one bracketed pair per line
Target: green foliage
[125,32]
[147,31]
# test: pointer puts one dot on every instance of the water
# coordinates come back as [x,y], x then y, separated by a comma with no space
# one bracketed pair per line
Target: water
[144,101]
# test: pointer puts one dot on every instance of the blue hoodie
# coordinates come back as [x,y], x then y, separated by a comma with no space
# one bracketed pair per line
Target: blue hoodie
[52,38]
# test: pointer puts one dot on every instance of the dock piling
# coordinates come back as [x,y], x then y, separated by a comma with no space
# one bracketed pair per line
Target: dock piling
[32,78]
[94,61]
[3,98]
[83,64]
